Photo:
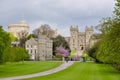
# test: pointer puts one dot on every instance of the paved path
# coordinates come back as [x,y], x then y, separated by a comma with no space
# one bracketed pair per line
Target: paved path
[61,67]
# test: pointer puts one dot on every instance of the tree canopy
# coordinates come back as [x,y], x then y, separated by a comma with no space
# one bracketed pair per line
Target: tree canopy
[5,41]
[15,54]
[109,49]
[45,29]
[59,40]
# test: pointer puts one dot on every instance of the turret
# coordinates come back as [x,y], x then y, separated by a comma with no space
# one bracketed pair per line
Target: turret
[74,37]
[88,32]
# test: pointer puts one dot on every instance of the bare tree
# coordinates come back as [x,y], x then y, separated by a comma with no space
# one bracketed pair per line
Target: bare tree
[22,38]
[45,29]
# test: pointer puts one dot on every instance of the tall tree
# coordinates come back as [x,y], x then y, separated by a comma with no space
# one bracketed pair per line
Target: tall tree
[4,41]
[45,29]
[22,38]
[12,37]
[59,40]
[31,36]
[109,50]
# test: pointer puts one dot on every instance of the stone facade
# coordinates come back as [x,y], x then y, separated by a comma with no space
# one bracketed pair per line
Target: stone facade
[18,29]
[39,48]
[31,47]
[44,48]
[80,40]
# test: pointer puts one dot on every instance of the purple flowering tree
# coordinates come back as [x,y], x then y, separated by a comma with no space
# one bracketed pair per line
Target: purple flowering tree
[64,52]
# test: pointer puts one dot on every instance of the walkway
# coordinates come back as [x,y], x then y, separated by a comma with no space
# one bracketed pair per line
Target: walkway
[61,67]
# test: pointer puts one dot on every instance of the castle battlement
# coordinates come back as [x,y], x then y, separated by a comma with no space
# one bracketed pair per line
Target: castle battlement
[78,39]
[74,28]
[89,28]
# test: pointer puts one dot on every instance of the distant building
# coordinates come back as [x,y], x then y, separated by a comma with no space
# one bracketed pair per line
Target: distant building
[82,40]
[31,47]
[44,48]
[18,29]
[67,39]
[39,48]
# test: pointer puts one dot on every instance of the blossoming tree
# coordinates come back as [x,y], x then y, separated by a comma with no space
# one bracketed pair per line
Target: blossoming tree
[64,52]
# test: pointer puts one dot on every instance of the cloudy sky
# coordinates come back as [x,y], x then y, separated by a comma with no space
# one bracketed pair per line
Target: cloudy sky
[60,14]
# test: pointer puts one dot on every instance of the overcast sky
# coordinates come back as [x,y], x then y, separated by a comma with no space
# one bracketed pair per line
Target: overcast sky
[60,14]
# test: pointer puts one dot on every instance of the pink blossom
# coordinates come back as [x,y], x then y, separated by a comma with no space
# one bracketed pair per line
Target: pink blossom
[62,51]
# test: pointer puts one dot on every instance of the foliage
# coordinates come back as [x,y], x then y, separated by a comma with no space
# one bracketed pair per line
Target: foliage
[62,51]
[4,41]
[59,40]
[22,38]
[109,50]
[15,54]
[31,36]
[92,52]
[45,29]
[12,37]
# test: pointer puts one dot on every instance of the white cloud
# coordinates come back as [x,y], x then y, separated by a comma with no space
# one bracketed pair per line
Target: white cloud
[59,13]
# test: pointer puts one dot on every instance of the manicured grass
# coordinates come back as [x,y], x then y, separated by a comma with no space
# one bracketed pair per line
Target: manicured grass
[15,69]
[84,71]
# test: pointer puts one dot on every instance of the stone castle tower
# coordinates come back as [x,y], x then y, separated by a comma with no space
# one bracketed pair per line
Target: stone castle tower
[18,29]
[80,40]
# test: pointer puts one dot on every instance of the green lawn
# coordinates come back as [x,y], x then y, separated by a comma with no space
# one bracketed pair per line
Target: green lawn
[84,71]
[15,69]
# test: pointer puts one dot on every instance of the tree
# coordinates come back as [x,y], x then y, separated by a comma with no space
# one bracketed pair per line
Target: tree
[59,40]
[63,52]
[4,41]
[45,29]
[12,37]
[15,54]
[31,36]
[92,52]
[109,50]
[22,38]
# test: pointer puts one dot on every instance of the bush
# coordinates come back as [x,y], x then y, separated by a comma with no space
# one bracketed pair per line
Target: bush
[15,54]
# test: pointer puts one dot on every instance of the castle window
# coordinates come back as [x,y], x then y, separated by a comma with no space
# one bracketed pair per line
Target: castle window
[35,50]
[73,40]
[31,51]
[81,41]
[27,46]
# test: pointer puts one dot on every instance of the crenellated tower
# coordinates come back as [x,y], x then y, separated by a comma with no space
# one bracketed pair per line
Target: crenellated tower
[74,38]
[88,33]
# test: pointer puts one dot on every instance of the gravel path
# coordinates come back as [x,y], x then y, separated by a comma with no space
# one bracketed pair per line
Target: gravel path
[61,67]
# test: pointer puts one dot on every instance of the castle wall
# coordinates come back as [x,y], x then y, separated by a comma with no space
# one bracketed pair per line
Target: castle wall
[15,29]
[80,39]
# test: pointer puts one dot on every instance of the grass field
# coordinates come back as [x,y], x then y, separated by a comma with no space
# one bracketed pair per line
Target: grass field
[15,69]
[84,71]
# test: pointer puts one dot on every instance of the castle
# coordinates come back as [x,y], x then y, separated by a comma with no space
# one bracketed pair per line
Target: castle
[41,48]
[18,29]
[38,48]
[80,40]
